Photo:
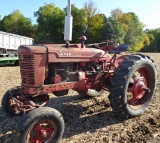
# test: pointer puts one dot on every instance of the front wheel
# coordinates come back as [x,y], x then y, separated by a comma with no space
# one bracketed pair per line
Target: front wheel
[132,86]
[42,125]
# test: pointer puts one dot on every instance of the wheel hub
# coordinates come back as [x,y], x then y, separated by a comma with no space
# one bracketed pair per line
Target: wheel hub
[138,90]
[41,132]
[139,85]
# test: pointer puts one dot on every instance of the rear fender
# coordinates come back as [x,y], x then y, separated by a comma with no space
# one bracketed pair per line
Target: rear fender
[120,59]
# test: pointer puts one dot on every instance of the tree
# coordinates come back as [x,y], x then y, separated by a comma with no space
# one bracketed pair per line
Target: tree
[118,30]
[154,36]
[134,31]
[130,29]
[116,13]
[50,24]
[125,19]
[18,24]
[107,30]
[94,22]
[113,30]
[118,26]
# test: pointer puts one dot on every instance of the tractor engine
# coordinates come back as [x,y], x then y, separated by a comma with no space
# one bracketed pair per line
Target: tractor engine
[70,72]
[62,72]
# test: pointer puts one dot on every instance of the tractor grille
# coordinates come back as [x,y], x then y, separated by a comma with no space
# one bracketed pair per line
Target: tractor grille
[27,69]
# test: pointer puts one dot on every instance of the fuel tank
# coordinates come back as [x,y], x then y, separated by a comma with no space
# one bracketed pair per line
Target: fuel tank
[59,53]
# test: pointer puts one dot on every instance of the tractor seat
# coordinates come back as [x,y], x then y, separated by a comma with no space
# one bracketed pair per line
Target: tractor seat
[120,49]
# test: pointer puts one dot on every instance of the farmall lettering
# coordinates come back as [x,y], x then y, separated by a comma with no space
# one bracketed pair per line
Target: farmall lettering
[61,53]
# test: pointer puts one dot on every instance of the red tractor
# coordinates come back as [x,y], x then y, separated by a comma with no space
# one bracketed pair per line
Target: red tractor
[87,69]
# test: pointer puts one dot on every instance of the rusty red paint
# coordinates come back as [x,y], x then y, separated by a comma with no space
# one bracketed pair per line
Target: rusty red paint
[42,131]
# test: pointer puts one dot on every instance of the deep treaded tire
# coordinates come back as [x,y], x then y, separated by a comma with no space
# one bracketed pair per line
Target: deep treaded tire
[132,86]
[42,125]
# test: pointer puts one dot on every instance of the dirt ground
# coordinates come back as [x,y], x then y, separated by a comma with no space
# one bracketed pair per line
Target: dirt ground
[89,120]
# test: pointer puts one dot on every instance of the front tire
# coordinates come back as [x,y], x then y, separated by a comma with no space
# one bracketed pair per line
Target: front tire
[132,86]
[42,125]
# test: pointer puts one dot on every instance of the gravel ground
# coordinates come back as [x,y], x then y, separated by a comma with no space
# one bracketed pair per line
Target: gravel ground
[89,120]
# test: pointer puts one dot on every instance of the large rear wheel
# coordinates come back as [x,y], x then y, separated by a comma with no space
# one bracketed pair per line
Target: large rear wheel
[132,86]
[42,125]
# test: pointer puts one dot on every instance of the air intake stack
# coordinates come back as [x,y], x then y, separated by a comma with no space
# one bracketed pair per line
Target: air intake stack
[68,25]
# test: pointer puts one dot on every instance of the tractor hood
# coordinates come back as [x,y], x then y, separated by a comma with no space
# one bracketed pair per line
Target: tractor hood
[59,53]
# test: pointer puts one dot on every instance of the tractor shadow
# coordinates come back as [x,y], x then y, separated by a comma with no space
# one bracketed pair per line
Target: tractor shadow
[83,114]
[8,126]
[80,114]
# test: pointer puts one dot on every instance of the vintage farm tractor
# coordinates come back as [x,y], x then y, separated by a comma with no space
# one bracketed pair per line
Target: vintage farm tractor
[87,69]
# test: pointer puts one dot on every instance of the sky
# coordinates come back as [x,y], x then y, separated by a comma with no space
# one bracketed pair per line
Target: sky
[148,11]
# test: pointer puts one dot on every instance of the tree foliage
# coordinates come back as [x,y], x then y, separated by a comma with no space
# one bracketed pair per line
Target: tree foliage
[154,38]
[50,21]
[94,22]
[132,32]
[135,35]
[17,23]
[116,13]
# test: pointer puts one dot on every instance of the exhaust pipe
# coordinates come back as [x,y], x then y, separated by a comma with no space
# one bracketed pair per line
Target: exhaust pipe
[68,25]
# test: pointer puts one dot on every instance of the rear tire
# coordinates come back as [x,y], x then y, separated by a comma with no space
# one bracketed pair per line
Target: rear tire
[43,125]
[132,86]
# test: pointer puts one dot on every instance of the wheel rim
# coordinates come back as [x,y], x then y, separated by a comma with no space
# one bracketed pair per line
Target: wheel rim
[42,131]
[12,104]
[139,88]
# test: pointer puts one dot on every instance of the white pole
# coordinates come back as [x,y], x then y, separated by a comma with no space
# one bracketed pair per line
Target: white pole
[69,8]
[68,24]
